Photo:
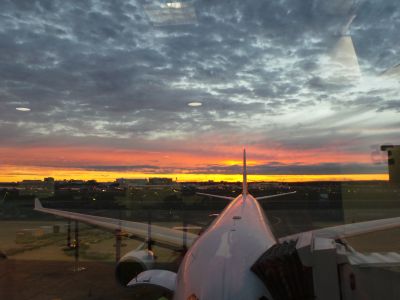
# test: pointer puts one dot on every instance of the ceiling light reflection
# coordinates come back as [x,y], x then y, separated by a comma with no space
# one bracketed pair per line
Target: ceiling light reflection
[23,109]
[195,104]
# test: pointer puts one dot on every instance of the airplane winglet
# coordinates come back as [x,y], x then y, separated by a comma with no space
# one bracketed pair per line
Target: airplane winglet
[244,191]
[38,204]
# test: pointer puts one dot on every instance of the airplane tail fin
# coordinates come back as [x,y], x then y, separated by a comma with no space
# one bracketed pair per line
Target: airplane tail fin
[244,191]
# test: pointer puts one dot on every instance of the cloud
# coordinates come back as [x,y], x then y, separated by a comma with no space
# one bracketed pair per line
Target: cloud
[98,73]
[277,168]
[140,168]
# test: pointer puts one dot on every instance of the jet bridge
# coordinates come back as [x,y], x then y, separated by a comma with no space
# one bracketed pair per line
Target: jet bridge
[282,271]
[311,267]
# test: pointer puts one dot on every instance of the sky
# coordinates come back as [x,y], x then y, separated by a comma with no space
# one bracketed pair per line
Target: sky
[108,84]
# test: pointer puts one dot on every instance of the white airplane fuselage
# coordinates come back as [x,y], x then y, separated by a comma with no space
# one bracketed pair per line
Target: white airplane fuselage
[217,266]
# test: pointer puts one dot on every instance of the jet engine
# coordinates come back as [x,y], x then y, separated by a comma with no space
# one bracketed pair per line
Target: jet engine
[132,264]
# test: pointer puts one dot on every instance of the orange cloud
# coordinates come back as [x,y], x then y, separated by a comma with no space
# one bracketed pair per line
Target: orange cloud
[86,156]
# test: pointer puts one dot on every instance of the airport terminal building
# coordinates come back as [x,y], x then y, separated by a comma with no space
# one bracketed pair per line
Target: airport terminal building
[393,162]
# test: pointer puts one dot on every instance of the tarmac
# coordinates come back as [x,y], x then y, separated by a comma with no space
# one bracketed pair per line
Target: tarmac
[48,274]
[55,280]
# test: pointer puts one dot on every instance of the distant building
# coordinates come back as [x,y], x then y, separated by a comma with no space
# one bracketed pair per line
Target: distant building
[123,182]
[37,188]
[393,162]
[76,182]
[49,184]
[31,183]
[160,181]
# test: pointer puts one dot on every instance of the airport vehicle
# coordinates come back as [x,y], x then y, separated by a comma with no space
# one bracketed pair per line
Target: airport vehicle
[238,257]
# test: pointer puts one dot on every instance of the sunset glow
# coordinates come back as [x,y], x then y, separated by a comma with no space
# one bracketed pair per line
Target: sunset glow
[218,164]
[14,174]
[239,162]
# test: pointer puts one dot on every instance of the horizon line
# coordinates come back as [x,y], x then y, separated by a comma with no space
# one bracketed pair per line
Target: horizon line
[193,177]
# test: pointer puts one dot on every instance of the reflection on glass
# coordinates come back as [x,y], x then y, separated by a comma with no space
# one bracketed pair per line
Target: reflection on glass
[136,113]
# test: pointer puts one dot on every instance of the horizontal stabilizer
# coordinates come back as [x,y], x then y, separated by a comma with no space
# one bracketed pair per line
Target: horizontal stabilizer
[216,196]
[275,196]
[156,278]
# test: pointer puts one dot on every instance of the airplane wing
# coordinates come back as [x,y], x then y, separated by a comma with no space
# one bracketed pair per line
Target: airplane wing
[349,230]
[216,196]
[163,235]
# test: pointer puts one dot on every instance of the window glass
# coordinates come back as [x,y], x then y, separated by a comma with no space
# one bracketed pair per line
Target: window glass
[126,109]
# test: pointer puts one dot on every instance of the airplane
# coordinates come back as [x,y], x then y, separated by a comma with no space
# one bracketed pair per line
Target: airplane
[237,256]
